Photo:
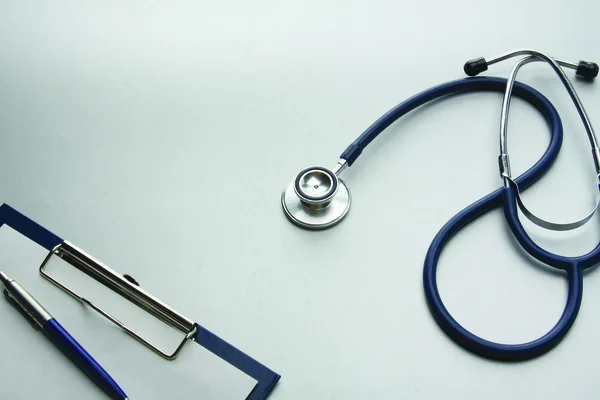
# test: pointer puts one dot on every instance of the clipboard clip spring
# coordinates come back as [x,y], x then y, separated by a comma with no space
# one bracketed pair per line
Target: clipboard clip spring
[126,287]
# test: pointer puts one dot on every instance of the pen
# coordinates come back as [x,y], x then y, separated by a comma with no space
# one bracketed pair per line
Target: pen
[40,319]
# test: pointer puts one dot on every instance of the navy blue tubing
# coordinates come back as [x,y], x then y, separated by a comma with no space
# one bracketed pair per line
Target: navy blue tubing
[573,266]
[478,84]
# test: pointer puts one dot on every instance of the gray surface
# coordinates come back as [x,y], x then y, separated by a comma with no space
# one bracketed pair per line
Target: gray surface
[159,139]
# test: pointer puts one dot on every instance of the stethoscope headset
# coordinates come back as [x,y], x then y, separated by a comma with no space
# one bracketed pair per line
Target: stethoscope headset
[317,198]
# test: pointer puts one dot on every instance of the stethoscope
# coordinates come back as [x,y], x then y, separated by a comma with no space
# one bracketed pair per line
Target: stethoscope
[318,198]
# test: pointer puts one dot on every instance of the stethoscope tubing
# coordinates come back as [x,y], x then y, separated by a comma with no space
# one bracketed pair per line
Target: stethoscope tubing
[466,339]
[501,197]
[573,266]
[476,84]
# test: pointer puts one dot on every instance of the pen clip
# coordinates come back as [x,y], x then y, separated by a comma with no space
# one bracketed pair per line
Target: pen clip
[21,310]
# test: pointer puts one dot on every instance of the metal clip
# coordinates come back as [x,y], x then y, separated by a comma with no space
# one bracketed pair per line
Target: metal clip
[109,278]
[28,317]
[504,165]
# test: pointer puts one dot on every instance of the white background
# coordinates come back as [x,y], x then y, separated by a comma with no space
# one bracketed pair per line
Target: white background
[158,138]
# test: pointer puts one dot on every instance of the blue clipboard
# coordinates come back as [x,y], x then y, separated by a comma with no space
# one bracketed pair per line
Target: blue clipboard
[266,378]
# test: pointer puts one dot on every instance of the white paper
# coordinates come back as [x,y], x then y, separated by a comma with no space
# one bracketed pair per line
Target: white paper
[30,364]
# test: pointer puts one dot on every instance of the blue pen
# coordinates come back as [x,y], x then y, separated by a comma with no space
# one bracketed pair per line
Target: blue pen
[40,319]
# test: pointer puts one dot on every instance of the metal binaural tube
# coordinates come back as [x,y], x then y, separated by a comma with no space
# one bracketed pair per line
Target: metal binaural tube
[534,56]
[528,52]
[504,161]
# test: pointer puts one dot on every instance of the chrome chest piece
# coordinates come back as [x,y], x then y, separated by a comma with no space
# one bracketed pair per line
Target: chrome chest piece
[317,198]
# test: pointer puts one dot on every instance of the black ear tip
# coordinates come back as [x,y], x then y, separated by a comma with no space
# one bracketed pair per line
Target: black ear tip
[587,70]
[475,66]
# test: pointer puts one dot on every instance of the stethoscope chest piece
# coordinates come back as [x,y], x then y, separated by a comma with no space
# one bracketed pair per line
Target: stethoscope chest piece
[316,199]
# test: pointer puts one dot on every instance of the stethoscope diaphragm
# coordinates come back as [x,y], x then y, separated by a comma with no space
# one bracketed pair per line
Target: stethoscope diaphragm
[316,198]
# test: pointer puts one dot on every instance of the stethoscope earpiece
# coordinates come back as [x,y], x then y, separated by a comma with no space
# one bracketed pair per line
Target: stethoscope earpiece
[317,198]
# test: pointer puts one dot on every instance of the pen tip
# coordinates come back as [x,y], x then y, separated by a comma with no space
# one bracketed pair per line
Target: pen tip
[4,278]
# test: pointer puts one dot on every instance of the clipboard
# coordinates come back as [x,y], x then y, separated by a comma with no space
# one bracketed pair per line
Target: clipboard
[266,378]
